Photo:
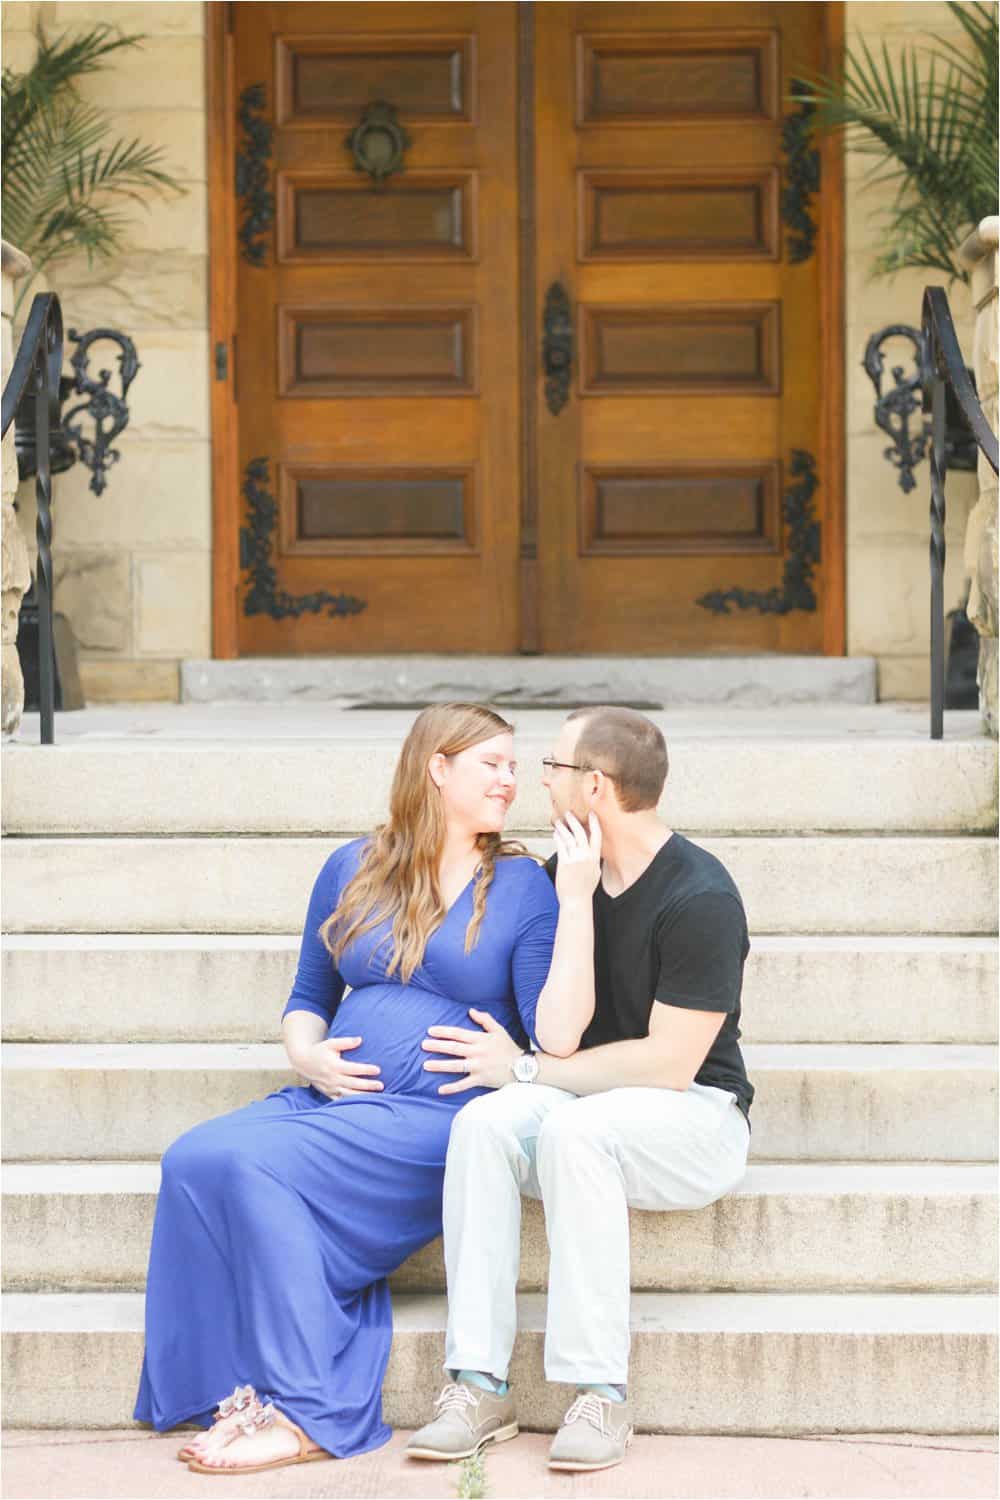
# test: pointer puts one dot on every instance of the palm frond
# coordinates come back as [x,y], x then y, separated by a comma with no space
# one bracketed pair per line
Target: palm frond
[928,121]
[62,175]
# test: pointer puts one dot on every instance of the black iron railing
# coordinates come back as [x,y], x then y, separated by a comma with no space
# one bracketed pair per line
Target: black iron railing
[37,367]
[945,382]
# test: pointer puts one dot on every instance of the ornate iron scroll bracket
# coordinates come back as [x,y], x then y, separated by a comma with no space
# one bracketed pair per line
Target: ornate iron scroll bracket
[803,533]
[894,408]
[378,142]
[557,347]
[802,178]
[263,596]
[108,412]
[252,175]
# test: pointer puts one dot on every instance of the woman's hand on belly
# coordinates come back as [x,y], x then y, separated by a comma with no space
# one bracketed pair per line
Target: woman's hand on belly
[337,1077]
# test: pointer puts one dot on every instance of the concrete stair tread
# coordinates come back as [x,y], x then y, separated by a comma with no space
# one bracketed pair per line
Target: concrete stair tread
[840,1313]
[818,1179]
[248,942]
[846,1056]
[190,771]
[919,884]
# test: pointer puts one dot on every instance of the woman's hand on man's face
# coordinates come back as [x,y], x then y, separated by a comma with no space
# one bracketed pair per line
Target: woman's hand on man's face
[324,1067]
[483,1058]
[578,868]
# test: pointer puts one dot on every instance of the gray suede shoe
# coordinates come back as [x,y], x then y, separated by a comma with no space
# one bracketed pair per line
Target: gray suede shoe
[466,1418]
[594,1434]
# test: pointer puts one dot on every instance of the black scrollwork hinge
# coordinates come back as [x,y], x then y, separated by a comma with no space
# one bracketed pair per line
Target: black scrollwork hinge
[801,562]
[252,175]
[108,412]
[557,347]
[894,408]
[802,177]
[378,142]
[263,596]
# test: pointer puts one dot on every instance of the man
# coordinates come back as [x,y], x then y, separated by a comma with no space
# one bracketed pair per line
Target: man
[636,1095]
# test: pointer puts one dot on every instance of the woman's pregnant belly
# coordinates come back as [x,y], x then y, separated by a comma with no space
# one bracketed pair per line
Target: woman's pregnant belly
[392,1021]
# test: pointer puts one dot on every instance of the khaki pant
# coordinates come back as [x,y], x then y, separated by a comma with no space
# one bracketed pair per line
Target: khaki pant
[588,1159]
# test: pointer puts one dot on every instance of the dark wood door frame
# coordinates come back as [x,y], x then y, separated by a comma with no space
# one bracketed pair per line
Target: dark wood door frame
[226,492]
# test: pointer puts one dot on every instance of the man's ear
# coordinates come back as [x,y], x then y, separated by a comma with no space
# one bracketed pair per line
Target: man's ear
[435,769]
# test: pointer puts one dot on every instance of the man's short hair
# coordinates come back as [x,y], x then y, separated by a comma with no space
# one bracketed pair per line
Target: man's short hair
[628,748]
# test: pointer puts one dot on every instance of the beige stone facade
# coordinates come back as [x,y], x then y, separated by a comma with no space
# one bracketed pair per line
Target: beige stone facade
[133,566]
[888,575]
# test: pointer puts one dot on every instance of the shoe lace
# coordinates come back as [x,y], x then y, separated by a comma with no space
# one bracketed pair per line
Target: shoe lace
[588,1407]
[455,1397]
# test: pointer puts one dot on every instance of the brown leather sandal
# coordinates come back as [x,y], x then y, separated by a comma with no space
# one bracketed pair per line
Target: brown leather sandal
[264,1416]
[243,1398]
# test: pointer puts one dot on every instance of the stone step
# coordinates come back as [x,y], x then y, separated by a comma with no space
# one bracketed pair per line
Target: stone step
[884,1226]
[767,1363]
[717,784]
[815,1103]
[528,681]
[233,988]
[252,885]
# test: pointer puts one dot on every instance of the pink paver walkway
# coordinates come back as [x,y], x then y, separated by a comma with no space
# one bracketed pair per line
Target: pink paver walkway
[136,1465]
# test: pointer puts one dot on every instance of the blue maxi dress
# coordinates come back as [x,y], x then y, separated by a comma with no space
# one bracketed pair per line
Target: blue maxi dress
[277,1225]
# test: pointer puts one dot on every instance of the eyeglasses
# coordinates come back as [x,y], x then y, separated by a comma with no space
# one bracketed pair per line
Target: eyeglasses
[566,765]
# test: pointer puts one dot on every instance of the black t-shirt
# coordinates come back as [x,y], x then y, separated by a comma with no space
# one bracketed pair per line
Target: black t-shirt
[677,935]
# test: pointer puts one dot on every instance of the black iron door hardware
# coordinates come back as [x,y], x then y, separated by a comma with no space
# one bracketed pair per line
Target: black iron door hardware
[802,531]
[253,183]
[801,177]
[557,347]
[378,142]
[263,596]
[894,409]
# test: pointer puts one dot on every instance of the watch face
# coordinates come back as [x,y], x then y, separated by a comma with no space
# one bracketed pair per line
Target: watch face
[526,1068]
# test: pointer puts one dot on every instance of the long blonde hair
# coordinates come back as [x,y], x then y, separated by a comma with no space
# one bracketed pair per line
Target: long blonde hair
[398,873]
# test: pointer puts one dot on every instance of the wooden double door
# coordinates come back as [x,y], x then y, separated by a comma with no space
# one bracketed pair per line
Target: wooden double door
[529,329]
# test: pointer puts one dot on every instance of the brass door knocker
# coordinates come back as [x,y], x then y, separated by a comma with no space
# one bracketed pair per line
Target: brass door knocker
[379,142]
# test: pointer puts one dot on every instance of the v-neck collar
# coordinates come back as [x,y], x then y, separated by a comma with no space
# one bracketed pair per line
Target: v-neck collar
[639,879]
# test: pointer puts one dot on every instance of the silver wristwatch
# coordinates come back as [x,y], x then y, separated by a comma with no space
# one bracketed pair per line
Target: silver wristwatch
[525,1068]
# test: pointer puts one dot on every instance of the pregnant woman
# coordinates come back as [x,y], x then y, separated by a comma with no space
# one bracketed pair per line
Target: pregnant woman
[277,1225]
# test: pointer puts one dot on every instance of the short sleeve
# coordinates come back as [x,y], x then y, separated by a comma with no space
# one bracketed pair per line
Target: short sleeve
[318,986]
[534,939]
[701,954]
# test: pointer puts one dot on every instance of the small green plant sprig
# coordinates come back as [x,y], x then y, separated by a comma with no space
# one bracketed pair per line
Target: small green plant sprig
[929,120]
[63,180]
[473,1483]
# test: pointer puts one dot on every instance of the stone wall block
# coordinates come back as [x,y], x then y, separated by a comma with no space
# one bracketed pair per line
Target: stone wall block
[165,72]
[141,290]
[162,18]
[173,605]
[158,495]
[93,590]
[170,399]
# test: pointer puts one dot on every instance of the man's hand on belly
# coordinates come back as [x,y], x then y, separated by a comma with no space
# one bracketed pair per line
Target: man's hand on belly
[482,1057]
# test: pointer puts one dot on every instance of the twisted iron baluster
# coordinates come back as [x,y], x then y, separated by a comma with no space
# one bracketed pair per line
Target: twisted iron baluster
[46,382]
[939,467]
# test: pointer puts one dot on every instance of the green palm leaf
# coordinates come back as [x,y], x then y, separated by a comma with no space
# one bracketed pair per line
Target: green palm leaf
[928,121]
[62,175]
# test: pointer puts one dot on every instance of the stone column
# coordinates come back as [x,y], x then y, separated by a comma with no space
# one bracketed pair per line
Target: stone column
[979,252]
[16,572]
